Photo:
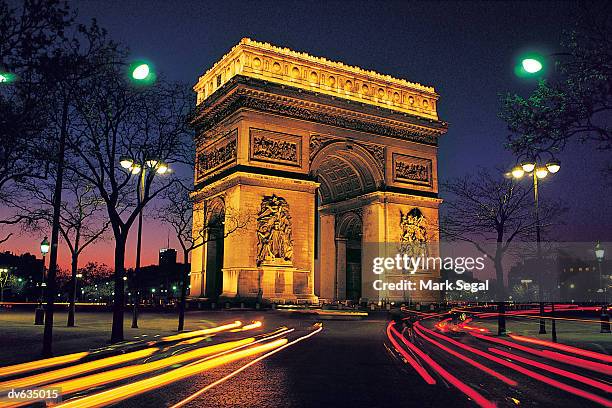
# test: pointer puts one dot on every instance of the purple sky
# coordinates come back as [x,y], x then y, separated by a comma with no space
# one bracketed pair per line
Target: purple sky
[466,50]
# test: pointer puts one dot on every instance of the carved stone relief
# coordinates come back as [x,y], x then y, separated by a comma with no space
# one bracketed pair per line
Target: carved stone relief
[275,147]
[413,238]
[274,231]
[412,170]
[217,155]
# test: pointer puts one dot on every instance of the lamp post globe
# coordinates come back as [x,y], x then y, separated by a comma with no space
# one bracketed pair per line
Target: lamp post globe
[39,313]
[599,252]
[532,65]
[45,246]
[141,71]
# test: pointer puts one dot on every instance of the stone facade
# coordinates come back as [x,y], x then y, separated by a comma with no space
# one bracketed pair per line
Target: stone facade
[344,173]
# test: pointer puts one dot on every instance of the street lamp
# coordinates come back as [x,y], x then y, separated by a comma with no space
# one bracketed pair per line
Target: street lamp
[599,255]
[537,171]
[142,72]
[159,167]
[532,65]
[39,314]
[6,77]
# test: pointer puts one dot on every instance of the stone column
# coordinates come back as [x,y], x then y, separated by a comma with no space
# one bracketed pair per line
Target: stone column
[326,280]
[340,269]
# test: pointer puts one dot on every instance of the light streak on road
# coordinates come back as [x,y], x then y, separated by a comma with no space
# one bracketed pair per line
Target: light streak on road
[212,330]
[193,340]
[564,347]
[564,373]
[579,362]
[468,360]
[121,393]
[244,367]
[66,372]
[254,325]
[123,373]
[106,377]
[415,364]
[523,370]
[266,337]
[461,386]
[552,355]
[40,364]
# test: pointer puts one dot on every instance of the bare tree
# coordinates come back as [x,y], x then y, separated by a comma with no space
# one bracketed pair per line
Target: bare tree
[574,104]
[486,209]
[118,120]
[214,221]
[81,220]
[28,35]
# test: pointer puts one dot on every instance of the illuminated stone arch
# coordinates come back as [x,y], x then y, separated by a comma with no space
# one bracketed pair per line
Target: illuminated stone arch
[345,170]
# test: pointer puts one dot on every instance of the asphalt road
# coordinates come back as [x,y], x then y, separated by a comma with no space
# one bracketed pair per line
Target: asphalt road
[294,362]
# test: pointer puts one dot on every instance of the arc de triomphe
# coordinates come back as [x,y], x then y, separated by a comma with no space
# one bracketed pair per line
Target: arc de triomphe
[321,162]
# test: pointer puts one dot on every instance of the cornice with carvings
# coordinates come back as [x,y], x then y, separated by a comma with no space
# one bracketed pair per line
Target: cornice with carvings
[242,94]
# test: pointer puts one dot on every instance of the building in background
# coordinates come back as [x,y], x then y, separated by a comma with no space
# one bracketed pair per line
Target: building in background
[167,257]
[579,279]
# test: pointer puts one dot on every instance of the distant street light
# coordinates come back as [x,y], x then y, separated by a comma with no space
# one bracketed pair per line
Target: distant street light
[599,255]
[135,168]
[537,171]
[44,247]
[39,313]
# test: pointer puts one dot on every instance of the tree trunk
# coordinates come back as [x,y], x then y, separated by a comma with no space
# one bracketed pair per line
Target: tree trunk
[183,301]
[47,350]
[499,274]
[119,298]
[72,306]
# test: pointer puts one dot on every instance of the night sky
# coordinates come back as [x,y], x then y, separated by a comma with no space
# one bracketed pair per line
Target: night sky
[466,50]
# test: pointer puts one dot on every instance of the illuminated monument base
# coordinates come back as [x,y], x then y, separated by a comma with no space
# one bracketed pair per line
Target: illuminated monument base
[330,165]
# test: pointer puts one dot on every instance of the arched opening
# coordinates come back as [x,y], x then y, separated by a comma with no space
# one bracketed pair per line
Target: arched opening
[349,234]
[215,248]
[345,171]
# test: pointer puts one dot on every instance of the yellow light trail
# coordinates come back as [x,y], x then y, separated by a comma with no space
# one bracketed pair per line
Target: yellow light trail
[122,373]
[40,364]
[117,394]
[66,372]
[193,340]
[251,326]
[202,332]
[244,367]
[77,384]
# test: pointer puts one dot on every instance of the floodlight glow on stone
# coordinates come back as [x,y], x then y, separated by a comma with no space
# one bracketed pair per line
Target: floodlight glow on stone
[141,72]
[531,65]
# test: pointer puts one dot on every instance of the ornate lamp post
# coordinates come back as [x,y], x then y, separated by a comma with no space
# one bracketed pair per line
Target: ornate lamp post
[39,314]
[135,168]
[605,318]
[537,171]
[599,255]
